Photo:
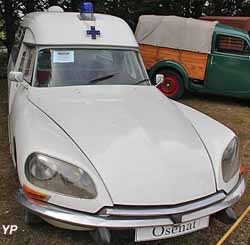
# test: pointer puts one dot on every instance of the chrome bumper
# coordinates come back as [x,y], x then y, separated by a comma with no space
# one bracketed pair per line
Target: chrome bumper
[77,218]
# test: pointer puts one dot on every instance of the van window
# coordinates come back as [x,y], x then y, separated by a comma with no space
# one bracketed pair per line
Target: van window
[21,67]
[27,63]
[17,44]
[232,45]
[76,67]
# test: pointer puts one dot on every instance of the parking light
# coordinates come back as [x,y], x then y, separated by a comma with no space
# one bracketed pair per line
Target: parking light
[243,169]
[34,194]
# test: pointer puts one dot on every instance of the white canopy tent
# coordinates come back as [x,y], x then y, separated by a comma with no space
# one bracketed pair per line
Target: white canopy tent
[176,32]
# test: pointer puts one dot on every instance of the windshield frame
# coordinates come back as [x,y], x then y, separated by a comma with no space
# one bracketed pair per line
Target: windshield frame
[89,47]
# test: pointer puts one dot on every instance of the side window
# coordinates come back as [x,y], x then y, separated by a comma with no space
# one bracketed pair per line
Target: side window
[231,45]
[27,63]
[129,67]
[21,67]
[132,67]
[17,44]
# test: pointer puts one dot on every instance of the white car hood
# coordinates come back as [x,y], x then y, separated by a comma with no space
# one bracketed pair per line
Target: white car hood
[142,146]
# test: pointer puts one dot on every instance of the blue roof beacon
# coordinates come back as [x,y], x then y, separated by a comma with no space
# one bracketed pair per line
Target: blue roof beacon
[87,11]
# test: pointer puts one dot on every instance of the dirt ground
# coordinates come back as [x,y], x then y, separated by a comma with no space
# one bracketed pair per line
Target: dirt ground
[233,113]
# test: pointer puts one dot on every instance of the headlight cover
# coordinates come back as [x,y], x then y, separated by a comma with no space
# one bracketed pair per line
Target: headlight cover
[58,176]
[231,160]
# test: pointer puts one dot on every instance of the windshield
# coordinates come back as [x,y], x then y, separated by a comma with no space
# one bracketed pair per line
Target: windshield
[74,67]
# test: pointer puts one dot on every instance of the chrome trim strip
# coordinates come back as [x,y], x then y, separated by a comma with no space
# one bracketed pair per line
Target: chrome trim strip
[162,211]
[89,220]
[232,198]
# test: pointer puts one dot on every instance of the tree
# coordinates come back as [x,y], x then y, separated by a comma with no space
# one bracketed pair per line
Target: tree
[196,8]
[29,6]
[246,8]
[11,11]
[9,14]
[226,7]
[233,7]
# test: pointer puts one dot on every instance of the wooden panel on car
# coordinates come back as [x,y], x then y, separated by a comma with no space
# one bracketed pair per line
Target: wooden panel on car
[194,63]
[149,54]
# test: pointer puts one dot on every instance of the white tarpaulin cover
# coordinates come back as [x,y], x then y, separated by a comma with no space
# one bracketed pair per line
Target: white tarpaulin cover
[176,32]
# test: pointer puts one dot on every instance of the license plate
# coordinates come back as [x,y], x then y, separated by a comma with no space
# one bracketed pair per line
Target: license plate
[163,232]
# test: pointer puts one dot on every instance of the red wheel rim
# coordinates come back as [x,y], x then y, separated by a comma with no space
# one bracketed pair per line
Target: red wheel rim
[170,85]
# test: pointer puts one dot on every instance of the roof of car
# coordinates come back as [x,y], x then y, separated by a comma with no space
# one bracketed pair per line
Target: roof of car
[244,18]
[222,28]
[175,32]
[242,22]
[50,28]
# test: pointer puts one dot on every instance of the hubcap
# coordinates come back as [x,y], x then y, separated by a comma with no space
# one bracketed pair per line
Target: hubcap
[170,85]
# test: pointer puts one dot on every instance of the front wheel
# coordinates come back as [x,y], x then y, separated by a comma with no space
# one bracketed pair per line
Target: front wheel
[172,86]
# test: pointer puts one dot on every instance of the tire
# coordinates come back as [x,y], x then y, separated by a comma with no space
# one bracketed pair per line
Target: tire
[31,219]
[172,86]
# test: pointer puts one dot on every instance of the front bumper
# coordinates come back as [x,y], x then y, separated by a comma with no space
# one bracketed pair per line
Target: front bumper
[129,219]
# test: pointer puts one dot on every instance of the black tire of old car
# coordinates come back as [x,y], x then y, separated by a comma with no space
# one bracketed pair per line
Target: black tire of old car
[173,86]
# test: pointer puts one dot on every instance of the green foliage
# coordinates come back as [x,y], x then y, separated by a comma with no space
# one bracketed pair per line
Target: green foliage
[2,33]
[226,7]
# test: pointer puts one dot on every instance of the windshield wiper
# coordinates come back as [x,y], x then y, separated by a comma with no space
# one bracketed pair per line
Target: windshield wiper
[99,79]
[142,81]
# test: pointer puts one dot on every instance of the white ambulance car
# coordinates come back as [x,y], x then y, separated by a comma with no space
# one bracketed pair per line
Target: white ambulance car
[96,147]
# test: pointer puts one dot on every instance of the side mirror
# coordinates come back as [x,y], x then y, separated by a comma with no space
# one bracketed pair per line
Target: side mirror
[159,79]
[15,76]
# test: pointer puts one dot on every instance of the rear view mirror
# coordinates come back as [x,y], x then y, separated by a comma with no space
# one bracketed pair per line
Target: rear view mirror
[15,76]
[159,79]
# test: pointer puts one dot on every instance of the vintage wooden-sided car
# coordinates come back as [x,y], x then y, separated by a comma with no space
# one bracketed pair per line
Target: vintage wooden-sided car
[195,55]
[97,147]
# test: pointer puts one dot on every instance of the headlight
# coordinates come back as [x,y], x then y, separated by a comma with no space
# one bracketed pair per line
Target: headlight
[59,176]
[231,160]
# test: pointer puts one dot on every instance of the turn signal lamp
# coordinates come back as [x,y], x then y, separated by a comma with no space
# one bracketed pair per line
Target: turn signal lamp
[34,194]
[243,169]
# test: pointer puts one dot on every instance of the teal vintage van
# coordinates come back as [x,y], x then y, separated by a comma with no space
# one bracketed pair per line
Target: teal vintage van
[195,55]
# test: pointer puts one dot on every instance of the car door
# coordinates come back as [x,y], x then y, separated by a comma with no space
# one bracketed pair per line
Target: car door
[18,90]
[26,66]
[13,65]
[229,66]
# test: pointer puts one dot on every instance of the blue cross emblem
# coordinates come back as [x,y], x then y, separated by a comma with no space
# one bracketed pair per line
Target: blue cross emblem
[93,32]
